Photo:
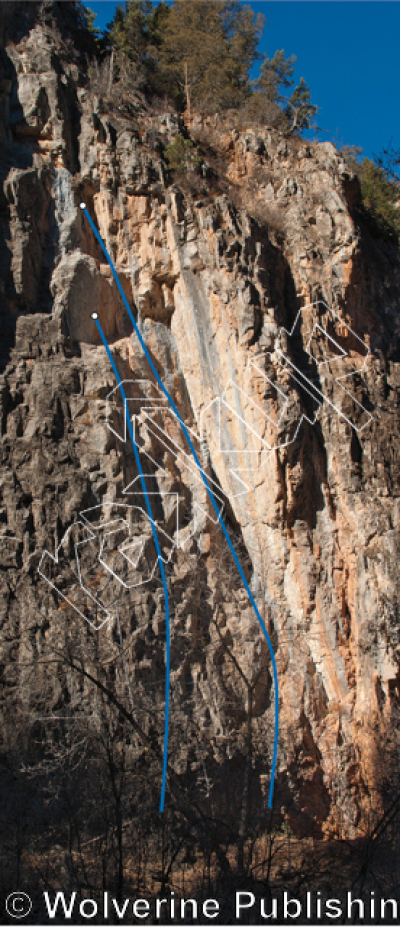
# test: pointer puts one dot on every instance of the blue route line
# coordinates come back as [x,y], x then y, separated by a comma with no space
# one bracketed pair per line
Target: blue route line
[209,491]
[162,570]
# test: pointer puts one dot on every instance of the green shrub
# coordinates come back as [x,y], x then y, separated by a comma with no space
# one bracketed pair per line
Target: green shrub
[380,193]
[181,155]
[380,197]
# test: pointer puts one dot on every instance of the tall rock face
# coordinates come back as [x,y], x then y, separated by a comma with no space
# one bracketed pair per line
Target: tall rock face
[270,310]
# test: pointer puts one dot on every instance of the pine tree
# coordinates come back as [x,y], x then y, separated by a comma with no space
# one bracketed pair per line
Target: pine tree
[268,102]
[136,33]
[207,51]
[90,17]
[275,73]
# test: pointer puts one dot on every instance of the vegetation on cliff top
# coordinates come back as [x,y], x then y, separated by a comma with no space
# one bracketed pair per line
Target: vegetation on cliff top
[380,189]
[200,54]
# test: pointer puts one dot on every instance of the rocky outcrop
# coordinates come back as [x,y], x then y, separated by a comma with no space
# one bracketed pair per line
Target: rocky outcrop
[270,311]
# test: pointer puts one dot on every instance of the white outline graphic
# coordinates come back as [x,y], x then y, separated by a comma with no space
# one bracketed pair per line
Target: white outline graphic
[122,558]
[301,378]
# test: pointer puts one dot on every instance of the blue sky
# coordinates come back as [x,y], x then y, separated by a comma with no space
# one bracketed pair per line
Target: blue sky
[348,53]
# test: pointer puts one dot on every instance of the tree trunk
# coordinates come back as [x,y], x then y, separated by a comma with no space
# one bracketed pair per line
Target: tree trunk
[187,91]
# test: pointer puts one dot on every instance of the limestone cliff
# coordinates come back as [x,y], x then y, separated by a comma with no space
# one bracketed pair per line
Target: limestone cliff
[256,287]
